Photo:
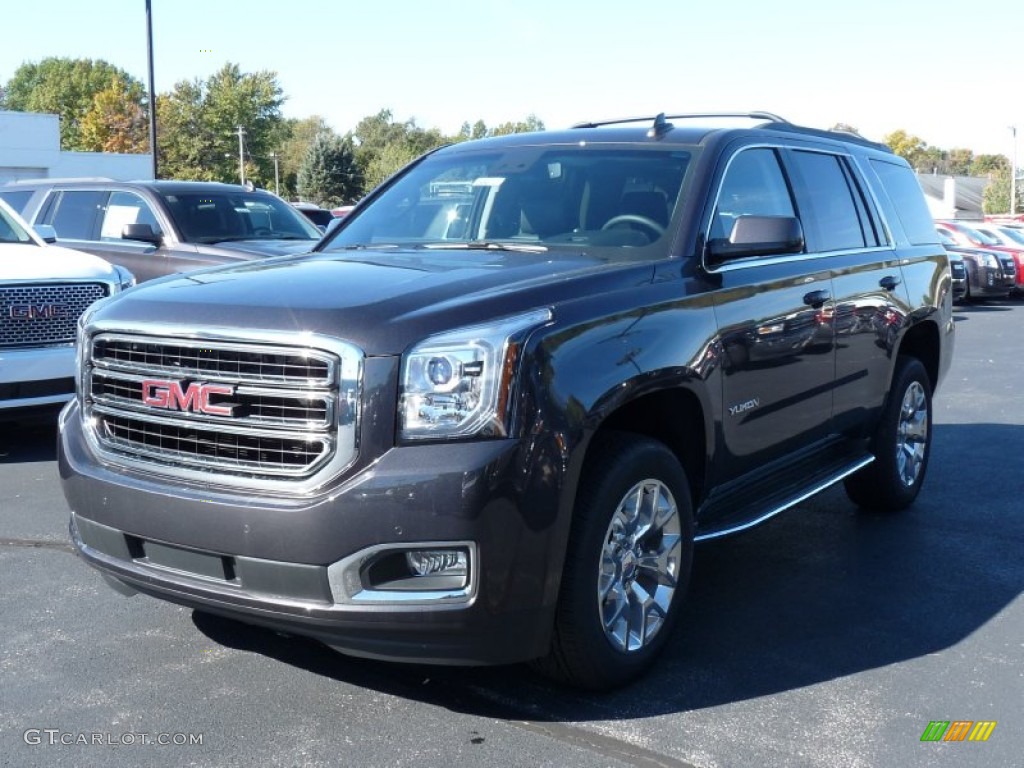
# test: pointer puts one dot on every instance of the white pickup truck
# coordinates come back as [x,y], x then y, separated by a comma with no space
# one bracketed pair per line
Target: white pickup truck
[44,289]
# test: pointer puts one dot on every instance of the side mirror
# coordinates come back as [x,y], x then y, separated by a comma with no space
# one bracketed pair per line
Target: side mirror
[46,232]
[758,236]
[143,232]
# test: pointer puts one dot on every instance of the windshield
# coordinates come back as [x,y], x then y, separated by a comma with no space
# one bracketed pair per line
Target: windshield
[527,198]
[1013,234]
[227,216]
[11,230]
[978,237]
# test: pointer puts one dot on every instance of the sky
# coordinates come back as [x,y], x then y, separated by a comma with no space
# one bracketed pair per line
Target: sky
[939,70]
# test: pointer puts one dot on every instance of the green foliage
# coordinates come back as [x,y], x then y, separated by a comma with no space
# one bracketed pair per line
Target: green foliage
[984,165]
[294,140]
[383,146]
[996,199]
[329,175]
[68,88]
[198,123]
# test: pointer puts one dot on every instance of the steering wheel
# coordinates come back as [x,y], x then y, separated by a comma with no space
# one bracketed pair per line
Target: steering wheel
[633,218]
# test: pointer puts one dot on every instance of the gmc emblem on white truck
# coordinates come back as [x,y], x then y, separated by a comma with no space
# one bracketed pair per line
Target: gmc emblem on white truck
[45,311]
[194,398]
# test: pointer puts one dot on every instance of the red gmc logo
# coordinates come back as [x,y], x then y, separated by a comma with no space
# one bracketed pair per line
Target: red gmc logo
[47,311]
[195,398]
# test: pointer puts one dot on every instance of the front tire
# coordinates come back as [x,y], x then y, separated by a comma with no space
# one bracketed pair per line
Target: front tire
[627,564]
[901,444]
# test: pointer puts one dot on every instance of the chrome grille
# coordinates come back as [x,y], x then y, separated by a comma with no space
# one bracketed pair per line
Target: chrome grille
[244,409]
[44,314]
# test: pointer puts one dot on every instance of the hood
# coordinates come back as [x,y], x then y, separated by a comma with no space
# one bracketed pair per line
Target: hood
[380,301]
[28,261]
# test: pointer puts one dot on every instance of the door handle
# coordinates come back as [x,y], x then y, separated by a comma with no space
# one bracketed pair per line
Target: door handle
[889,282]
[816,298]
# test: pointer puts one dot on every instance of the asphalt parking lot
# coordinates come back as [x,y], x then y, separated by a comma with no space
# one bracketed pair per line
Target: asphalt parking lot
[827,637]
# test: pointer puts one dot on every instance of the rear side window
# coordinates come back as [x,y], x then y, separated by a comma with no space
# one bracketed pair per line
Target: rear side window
[833,218]
[76,213]
[905,193]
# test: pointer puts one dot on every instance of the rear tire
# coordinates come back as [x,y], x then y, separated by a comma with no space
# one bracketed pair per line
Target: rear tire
[627,564]
[901,443]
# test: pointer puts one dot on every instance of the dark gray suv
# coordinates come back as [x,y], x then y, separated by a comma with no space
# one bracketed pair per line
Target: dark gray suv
[156,228]
[489,419]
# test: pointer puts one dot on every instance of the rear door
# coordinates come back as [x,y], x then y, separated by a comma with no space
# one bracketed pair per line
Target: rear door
[777,347]
[870,308]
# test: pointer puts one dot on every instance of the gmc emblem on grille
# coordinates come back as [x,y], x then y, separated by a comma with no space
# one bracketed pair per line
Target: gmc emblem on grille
[193,398]
[46,311]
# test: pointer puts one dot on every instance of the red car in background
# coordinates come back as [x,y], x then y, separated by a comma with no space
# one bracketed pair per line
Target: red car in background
[1011,258]
[1008,237]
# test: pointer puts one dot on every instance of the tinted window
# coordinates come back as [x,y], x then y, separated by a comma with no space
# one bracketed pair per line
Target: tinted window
[125,208]
[754,185]
[832,222]
[17,198]
[903,189]
[216,217]
[76,213]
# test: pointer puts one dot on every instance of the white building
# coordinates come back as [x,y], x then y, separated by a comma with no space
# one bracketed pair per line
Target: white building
[30,149]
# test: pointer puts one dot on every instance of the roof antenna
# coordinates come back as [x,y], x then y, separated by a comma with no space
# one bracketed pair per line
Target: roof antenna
[660,128]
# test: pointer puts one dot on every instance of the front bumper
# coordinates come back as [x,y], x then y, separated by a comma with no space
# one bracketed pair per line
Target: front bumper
[273,561]
[36,377]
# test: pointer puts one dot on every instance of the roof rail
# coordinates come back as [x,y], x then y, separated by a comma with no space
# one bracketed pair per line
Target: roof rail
[766,116]
[52,180]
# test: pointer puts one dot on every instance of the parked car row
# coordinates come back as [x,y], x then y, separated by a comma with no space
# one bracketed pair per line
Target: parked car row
[992,258]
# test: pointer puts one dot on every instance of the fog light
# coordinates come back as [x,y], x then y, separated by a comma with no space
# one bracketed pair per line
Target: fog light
[437,562]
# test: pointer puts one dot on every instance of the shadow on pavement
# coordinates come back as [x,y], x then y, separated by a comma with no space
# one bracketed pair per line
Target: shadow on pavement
[28,441]
[821,592]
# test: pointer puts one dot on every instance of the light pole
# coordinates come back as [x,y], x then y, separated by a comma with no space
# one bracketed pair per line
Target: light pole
[152,95]
[277,176]
[1013,174]
[241,154]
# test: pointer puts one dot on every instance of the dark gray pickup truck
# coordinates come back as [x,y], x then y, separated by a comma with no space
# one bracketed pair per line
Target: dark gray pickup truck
[490,417]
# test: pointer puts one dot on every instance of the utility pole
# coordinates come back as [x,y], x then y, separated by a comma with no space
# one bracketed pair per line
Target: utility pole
[277,176]
[241,154]
[152,95]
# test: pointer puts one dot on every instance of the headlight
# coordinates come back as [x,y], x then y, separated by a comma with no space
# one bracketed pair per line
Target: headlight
[457,384]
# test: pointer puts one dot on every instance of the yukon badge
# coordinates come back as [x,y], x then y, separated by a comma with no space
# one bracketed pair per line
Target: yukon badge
[751,404]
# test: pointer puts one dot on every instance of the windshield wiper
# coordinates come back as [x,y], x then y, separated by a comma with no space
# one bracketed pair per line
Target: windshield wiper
[487,245]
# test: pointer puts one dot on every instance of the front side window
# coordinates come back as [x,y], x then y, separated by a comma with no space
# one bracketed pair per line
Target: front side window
[126,208]
[75,215]
[11,231]
[754,185]
[594,199]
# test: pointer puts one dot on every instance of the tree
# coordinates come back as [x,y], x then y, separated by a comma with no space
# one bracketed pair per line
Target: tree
[329,174]
[532,123]
[996,198]
[293,142]
[383,146]
[959,162]
[116,122]
[199,120]
[68,88]
[986,165]
[912,148]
